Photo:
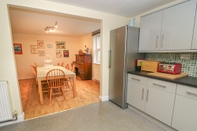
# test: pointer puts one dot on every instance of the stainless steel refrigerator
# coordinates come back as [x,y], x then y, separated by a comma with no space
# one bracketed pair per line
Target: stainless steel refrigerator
[122,56]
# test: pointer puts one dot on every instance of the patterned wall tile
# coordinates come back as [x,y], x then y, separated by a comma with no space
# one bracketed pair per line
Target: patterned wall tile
[188,66]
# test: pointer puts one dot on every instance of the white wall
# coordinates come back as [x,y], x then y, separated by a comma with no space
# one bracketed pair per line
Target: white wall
[8,66]
[24,61]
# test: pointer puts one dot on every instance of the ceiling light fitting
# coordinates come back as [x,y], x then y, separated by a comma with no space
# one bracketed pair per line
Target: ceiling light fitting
[51,28]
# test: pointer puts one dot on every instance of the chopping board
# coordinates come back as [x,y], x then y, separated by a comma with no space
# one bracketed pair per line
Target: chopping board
[168,76]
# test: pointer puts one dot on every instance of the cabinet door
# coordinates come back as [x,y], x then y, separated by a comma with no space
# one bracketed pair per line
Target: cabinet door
[135,95]
[194,42]
[177,26]
[159,104]
[185,116]
[150,28]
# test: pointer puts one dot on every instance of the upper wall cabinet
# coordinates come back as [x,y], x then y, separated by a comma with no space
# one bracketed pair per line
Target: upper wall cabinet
[150,32]
[170,29]
[194,42]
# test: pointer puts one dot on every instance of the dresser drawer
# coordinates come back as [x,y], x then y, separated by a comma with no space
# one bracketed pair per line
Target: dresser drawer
[162,85]
[137,79]
[187,91]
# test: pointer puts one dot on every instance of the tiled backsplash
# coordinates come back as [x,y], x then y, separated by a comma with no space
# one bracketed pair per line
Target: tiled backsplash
[188,66]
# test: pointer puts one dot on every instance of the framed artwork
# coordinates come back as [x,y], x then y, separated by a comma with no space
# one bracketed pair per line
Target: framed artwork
[34,49]
[18,48]
[66,53]
[59,53]
[60,45]
[40,44]
[41,52]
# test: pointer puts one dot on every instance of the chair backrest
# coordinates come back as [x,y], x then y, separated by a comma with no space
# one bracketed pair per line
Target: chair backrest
[35,64]
[67,67]
[33,68]
[55,78]
[73,68]
[62,64]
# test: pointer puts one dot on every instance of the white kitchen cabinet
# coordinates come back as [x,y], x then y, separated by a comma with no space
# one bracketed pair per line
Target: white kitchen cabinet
[176,28]
[185,116]
[150,28]
[160,100]
[135,95]
[194,41]
[154,97]
[135,91]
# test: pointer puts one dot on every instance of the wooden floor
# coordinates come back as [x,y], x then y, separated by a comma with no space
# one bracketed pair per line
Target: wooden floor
[88,92]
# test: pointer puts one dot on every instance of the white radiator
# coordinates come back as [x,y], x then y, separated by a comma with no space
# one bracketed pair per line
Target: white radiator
[5,106]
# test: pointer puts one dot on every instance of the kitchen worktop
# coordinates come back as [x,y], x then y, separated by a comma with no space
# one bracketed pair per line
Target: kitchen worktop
[189,81]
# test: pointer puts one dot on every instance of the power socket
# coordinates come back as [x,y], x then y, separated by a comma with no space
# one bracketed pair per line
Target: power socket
[185,56]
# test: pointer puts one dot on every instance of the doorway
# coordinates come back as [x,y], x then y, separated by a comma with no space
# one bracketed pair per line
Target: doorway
[29,94]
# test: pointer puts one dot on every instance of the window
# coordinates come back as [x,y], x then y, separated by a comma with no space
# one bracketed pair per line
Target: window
[97,51]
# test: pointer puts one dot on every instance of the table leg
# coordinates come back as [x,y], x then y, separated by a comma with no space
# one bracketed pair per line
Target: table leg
[40,91]
[74,86]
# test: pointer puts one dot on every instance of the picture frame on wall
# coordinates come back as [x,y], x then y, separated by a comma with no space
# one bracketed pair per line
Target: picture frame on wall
[41,52]
[60,45]
[66,53]
[18,49]
[58,53]
[40,44]
[34,49]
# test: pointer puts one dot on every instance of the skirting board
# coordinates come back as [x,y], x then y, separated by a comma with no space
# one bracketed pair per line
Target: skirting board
[20,119]
[155,121]
[104,98]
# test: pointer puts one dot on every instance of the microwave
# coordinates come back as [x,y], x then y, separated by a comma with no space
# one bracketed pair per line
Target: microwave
[171,68]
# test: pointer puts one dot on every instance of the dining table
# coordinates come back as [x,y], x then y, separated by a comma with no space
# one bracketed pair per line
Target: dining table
[41,76]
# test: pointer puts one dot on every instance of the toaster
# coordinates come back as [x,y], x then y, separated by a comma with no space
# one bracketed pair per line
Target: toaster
[171,68]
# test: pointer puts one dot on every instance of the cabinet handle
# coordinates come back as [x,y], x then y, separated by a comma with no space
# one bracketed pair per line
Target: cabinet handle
[162,41]
[190,93]
[109,58]
[147,95]
[159,85]
[157,41]
[135,79]
[142,93]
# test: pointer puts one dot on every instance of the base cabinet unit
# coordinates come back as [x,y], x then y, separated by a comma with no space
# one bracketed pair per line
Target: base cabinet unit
[135,91]
[154,97]
[160,100]
[185,116]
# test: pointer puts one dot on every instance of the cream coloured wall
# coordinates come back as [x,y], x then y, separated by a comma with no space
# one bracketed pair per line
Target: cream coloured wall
[88,41]
[8,69]
[24,61]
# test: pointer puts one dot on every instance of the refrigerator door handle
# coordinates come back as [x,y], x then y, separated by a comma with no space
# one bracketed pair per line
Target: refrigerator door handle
[109,58]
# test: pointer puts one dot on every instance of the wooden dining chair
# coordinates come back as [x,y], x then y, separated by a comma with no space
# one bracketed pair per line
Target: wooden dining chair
[43,82]
[62,64]
[35,64]
[72,68]
[56,79]
[33,68]
[67,67]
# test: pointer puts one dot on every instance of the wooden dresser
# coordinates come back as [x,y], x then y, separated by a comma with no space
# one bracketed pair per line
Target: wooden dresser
[83,66]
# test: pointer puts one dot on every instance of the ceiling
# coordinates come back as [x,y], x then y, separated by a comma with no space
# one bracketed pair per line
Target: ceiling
[26,21]
[127,8]
[29,21]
